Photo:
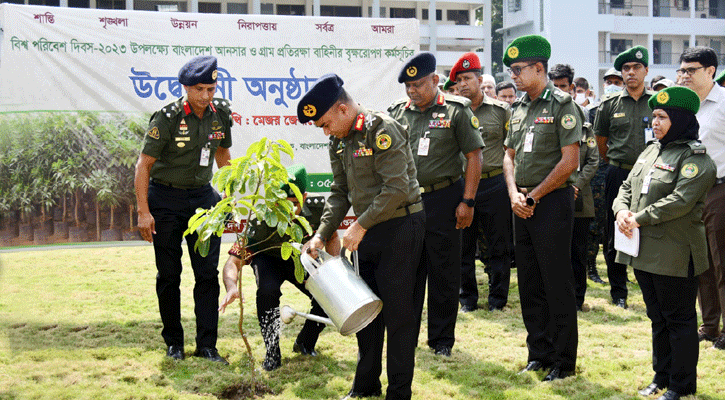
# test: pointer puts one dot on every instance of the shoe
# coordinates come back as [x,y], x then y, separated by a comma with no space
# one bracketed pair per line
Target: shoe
[466,308]
[557,373]
[593,274]
[271,363]
[720,343]
[704,336]
[210,354]
[300,348]
[353,394]
[443,350]
[650,390]
[494,308]
[669,395]
[622,303]
[175,352]
[534,365]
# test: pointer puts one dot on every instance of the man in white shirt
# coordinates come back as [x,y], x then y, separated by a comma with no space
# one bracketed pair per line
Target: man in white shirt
[698,66]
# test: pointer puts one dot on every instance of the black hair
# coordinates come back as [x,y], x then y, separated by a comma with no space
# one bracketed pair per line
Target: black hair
[559,71]
[504,85]
[702,54]
[582,83]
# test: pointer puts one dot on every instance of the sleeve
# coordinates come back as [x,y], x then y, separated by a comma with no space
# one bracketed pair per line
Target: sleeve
[158,135]
[591,164]
[695,178]
[467,134]
[227,141]
[337,204]
[601,120]
[506,124]
[569,124]
[390,164]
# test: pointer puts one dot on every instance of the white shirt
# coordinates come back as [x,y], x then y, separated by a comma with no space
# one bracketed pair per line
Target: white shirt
[711,118]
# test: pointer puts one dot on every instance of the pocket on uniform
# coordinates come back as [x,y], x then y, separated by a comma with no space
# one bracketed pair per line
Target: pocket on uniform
[545,137]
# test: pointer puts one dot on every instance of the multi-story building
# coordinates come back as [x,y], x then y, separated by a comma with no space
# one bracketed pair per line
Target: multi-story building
[589,34]
[453,31]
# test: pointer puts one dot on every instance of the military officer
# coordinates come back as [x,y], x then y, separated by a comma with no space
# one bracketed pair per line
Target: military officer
[492,212]
[622,128]
[177,158]
[664,196]
[443,131]
[373,171]
[542,152]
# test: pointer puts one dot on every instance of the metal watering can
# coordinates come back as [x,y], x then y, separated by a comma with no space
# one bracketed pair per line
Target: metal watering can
[341,292]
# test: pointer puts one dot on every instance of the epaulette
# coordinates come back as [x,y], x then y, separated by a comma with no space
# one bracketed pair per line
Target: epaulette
[561,97]
[608,96]
[495,102]
[397,103]
[172,109]
[451,98]
[222,104]
[697,147]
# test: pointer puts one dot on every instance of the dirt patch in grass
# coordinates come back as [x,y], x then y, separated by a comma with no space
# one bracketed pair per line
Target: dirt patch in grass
[245,390]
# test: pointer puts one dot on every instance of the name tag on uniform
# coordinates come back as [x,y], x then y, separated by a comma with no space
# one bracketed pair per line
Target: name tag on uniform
[618,115]
[423,146]
[529,140]
[646,181]
[204,159]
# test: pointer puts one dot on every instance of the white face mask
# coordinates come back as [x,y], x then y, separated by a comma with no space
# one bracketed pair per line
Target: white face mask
[612,89]
[580,98]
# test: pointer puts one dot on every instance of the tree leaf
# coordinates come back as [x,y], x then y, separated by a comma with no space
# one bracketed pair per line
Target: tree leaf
[286,250]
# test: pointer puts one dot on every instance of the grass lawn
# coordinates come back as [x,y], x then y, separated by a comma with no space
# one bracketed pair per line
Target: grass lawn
[84,324]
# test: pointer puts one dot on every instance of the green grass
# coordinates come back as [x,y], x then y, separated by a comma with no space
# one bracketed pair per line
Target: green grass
[84,324]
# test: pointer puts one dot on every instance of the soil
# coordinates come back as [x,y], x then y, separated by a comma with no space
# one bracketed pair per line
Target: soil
[245,390]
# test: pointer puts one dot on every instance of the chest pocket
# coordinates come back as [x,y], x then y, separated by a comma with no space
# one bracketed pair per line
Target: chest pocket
[620,125]
[664,176]
[545,138]
[490,132]
[637,168]
[181,144]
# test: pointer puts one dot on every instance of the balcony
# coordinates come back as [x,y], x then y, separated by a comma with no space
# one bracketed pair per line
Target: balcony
[662,59]
[623,8]
[634,8]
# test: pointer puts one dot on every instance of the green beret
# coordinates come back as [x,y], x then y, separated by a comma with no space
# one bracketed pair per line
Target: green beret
[676,97]
[525,48]
[721,78]
[449,83]
[297,175]
[635,54]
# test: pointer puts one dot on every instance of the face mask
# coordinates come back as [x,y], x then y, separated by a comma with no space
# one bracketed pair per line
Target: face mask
[612,89]
[580,98]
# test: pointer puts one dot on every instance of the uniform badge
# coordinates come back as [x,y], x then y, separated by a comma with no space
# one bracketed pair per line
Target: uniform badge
[513,52]
[474,122]
[434,115]
[591,143]
[689,170]
[181,144]
[545,111]
[666,167]
[359,122]
[309,110]
[369,119]
[663,97]
[154,133]
[383,141]
[568,121]
[183,127]
[544,120]
[213,75]
[506,127]
[638,55]
[618,115]
[411,71]
[440,123]
[466,64]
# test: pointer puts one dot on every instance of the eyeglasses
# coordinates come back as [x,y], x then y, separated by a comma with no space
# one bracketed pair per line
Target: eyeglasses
[517,70]
[689,71]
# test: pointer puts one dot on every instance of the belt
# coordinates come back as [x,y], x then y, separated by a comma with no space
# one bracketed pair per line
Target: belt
[173,185]
[407,210]
[720,180]
[439,185]
[621,165]
[491,174]
[530,188]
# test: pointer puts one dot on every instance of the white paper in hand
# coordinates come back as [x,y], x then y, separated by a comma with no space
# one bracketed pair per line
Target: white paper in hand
[624,244]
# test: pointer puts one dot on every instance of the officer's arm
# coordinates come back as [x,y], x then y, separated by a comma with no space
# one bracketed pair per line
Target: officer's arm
[232,271]
[601,131]
[561,172]
[222,156]
[141,184]
[589,168]
[508,172]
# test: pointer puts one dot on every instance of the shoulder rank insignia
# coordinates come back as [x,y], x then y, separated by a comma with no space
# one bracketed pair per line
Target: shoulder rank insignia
[154,133]
[360,122]
[383,141]
[689,170]
[369,119]
[568,121]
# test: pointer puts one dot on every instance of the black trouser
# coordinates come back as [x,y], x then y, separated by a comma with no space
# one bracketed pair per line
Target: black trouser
[440,264]
[171,209]
[492,219]
[270,273]
[579,246]
[388,257]
[546,280]
[670,305]
[616,272]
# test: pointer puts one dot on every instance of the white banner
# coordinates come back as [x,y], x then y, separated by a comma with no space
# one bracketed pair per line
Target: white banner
[68,59]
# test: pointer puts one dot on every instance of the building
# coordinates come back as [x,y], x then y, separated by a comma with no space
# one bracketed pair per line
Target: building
[453,31]
[590,34]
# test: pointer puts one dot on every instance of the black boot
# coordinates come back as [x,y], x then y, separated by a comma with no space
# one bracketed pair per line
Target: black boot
[594,274]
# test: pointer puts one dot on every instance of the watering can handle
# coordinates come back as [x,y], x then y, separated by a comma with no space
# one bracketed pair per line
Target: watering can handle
[355,260]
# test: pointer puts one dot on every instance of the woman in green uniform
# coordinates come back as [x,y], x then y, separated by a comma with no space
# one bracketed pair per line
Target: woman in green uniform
[663,196]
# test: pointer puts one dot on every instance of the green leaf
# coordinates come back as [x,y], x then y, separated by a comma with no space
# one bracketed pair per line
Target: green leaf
[195,222]
[202,247]
[305,224]
[286,250]
[282,228]
[286,148]
[297,233]
[299,270]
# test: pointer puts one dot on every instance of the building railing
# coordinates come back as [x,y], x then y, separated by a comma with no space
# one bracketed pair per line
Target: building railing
[624,8]
[607,57]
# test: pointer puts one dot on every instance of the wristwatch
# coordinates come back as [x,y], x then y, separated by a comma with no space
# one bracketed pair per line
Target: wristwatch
[530,201]
[469,202]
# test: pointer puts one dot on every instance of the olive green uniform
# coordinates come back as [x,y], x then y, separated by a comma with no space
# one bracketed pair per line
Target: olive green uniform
[539,129]
[440,136]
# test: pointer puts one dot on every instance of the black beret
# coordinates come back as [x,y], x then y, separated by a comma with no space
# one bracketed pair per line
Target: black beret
[321,96]
[198,70]
[419,66]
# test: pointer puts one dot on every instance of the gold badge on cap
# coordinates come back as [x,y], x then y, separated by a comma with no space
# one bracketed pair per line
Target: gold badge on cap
[466,64]
[689,170]
[663,97]
[411,71]
[474,122]
[309,110]
[154,132]
[568,121]
[513,52]
[213,75]
[383,141]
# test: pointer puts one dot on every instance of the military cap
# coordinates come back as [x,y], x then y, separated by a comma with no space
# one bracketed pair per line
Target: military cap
[612,72]
[720,79]
[321,96]
[449,84]
[635,54]
[526,48]
[419,66]
[467,62]
[663,82]
[297,175]
[676,97]
[198,70]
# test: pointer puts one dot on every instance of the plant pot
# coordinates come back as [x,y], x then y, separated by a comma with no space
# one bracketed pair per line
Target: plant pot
[46,227]
[6,237]
[111,235]
[77,234]
[60,229]
[40,236]
[25,232]
[131,235]
[58,214]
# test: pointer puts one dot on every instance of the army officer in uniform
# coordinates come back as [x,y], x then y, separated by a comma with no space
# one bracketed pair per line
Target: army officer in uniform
[172,180]
[541,155]
[373,171]
[664,197]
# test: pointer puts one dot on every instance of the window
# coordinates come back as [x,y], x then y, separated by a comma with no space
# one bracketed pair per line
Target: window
[266,8]
[152,5]
[210,8]
[619,45]
[13,1]
[54,3]
[237,8]
[460,17]
[401,12]
[439,14]
[111,4]
[340,11]
[80,4]
[514,5]
[382,12]
[616,3]
[290,9]
[682,5]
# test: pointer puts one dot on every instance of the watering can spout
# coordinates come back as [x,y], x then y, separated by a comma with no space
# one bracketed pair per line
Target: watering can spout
[287,314]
